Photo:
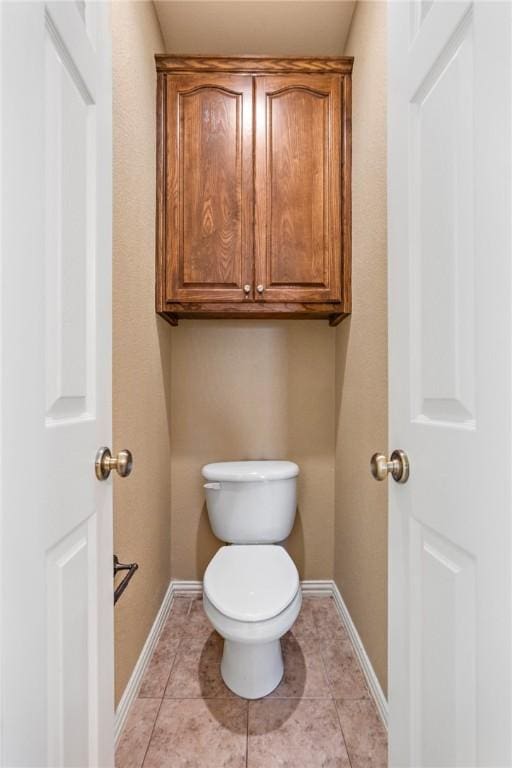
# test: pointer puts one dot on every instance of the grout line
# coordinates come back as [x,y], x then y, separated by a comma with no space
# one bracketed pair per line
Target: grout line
[269,697]
[342,733]
[247,738]
[165,688]
[333,699]
[331,692]
[333,696]
[292,698]
[151,734]
[347,639]
[159,708]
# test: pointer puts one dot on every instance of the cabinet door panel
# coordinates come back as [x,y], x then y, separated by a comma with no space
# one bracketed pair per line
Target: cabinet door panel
[209,177]
[298,173]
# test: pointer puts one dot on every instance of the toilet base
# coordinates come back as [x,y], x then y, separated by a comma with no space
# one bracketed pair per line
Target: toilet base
[252,670]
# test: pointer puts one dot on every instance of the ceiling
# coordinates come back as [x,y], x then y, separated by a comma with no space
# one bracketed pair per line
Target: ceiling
[274,27]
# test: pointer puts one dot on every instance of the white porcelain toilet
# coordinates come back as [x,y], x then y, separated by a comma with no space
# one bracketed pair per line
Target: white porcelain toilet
[251,588]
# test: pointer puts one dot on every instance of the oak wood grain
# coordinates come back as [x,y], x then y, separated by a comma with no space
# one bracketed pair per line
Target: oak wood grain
[161,200]
[346,199]
[251,64]
[253,311]
[298,196]
[253,187]
[208,186]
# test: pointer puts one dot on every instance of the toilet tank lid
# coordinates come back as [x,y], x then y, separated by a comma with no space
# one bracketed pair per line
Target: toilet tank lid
[250,471]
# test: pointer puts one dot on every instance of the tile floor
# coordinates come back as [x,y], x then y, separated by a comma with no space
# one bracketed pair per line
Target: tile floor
[320,716]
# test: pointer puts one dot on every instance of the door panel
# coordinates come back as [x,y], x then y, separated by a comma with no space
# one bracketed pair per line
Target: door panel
[443,650]
[209,173]
[298,175]
[450,342]
[70,576]
[442,259]
[69,157]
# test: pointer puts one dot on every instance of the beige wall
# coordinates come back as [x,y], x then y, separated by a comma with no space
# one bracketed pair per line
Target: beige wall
[240,389]
[279,27]
[141,364]
[249,390]
[361,352]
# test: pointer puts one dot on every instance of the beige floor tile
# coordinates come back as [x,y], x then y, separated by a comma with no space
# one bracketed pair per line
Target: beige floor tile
[196,670]
[327,619]
[203,724]
[305,625]
[197,625]
[365,735]
[177,619]
[293,733]
[304,673]
[343,671]
[159,668]
[199,734]
[319,619]
[137,733]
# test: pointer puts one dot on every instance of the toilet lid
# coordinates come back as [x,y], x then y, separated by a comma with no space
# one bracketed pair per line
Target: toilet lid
[251,582]
[249,471]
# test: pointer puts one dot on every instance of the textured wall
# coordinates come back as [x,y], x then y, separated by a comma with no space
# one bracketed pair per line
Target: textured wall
[361,352]
[141,364]
[250,390]
[234,390]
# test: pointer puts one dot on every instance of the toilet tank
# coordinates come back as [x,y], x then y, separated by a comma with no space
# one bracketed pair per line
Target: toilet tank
[251,502]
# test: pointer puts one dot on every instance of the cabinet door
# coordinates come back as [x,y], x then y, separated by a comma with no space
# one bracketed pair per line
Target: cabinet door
[298,189]
[208,187]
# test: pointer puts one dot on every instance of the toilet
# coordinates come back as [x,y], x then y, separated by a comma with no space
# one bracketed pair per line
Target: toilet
[251,587]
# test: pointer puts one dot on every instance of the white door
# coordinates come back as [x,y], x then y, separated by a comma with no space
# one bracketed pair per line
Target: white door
[450,302]
[57,634]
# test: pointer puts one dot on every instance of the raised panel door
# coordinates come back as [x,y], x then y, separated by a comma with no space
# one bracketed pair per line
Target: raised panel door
[298,173]
[449,197]
[209,181]
[57,666]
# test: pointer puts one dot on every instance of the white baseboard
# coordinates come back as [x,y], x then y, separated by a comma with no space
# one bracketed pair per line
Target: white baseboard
[317,587]
[187,588]
[364,661]
[312,588]
[132,688]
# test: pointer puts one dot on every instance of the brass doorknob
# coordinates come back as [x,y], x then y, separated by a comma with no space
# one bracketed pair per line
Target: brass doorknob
[247,288]
[105,463]
[260,288]
[397,466]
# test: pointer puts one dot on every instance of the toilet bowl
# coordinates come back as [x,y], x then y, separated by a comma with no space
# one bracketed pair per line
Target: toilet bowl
[252,597]
[251,588]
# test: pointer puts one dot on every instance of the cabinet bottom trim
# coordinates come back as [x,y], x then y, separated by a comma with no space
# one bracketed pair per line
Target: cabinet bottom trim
[174,312]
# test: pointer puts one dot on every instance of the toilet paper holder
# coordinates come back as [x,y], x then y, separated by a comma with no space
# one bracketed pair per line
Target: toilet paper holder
[130,568]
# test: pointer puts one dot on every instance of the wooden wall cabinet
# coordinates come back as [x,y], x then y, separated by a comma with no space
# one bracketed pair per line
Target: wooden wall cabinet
[253,187]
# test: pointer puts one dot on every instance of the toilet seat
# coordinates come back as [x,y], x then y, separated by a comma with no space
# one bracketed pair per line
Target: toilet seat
[252,597]
[251,583]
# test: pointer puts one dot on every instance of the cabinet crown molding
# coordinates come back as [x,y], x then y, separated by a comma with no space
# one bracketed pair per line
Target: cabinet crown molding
[253,64]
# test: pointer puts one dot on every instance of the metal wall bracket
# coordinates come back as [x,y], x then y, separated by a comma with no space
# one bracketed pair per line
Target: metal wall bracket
[130,568]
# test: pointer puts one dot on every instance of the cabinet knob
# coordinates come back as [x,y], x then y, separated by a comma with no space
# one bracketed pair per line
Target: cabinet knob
[260,288]
[247,288]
